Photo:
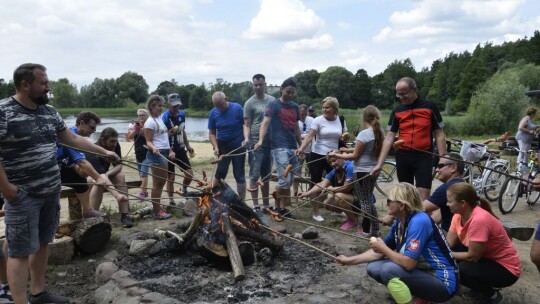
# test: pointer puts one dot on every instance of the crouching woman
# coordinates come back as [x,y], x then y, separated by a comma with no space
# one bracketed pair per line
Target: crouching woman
[414,260]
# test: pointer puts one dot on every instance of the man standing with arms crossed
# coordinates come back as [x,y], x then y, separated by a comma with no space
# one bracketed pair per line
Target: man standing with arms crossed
[30,180]
[415,120]
[260,161]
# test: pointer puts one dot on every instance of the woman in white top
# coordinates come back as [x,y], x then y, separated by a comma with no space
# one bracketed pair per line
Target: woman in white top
[327,130]
[365,154]
[157,141]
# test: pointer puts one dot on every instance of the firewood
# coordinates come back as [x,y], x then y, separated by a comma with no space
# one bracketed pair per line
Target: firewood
[232,249]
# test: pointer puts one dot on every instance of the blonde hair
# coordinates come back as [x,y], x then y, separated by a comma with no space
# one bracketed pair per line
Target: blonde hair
[531,110]
[142,112]
[332,102]
[152,101]
[406,194]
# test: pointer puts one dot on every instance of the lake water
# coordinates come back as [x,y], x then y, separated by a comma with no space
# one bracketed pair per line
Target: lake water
[196,128]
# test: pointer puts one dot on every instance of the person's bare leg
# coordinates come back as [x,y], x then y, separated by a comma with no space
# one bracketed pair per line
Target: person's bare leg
[17,272]
[144,184]
[255,194]
[170,185]
[84,199]
[96,196]
[158,181]
[38,265]
[265,190]
[188,177]
[120,181]
[424,192]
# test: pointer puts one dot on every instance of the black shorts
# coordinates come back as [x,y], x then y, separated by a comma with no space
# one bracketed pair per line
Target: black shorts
[70,177]
[181,160]
[414,166]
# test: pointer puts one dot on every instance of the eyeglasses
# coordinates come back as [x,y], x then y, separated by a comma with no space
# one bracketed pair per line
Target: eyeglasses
[388,202]
[403,94]
[440,166]
[305,127]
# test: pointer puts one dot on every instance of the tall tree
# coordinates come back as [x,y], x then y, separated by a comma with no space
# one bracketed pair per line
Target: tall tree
[132,86]
[385,85]
[338,82]
[199,98]
[65,94]
[101,93]
[241,91]
[166,87]
[6,89]
[362,89]
[306,84]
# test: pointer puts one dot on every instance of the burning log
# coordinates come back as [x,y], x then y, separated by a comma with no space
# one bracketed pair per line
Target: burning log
[232,249]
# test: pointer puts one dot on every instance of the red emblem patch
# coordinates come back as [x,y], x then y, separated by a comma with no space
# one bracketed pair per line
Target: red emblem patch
[413,245]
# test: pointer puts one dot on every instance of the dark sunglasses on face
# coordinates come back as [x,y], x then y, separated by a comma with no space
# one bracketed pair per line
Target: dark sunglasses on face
[440,166]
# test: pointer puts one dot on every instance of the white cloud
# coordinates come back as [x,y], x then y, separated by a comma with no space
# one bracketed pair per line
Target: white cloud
[319,43]
[283,20]
[53,24]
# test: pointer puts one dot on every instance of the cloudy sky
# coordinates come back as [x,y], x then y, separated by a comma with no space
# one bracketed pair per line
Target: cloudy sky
[195,41]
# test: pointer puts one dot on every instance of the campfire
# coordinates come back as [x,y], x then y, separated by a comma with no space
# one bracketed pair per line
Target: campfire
[224,226]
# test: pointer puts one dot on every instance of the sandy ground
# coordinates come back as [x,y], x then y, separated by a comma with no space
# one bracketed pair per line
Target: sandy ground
[526,290]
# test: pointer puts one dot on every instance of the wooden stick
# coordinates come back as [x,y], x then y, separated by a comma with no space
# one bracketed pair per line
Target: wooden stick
[232,249]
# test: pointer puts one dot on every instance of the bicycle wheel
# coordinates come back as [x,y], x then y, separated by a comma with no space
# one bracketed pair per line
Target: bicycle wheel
[387,175]
[533,195]
[509,195]
[493,182]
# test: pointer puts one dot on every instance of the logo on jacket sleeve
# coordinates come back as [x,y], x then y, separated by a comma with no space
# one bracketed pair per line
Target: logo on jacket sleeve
[413,245]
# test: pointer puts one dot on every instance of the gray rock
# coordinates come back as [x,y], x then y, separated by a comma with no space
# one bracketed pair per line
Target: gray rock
[141,235]
[110,256]
[104,271]
[139,247]
[120,274]
[297,235]
[126,282]
[280,228]
[154,297]
[310,233]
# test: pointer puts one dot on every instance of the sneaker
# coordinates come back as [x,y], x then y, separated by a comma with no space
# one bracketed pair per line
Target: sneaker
[172,202]
[162,215]
[495,299]
[362,233]
[126,221]
[143,196]
[47,297]
[349,224]
[93,213]
[318,218]
[286,213]
[472,295]
[258,211]
[5,296]
[338,213]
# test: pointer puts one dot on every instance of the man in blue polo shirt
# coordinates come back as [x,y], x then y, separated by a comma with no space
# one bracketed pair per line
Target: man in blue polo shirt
[225,125]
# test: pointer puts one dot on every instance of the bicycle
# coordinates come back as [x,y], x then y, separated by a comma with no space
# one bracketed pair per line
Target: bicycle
[388,174]
[513,189]
[488,178]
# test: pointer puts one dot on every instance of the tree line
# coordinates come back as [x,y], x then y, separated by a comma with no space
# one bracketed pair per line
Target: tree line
[450,82]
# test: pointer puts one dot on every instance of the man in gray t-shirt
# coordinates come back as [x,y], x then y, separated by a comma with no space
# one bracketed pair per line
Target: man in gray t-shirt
[260,161]
[30,179]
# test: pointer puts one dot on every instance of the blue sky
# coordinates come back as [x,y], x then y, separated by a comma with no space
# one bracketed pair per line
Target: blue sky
[195,41]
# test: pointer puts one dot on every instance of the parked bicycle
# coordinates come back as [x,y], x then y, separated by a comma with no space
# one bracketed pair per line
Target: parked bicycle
[387,175]
[488,171]
[513,188]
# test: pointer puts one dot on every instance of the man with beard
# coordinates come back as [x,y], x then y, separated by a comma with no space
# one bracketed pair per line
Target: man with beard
[30,180]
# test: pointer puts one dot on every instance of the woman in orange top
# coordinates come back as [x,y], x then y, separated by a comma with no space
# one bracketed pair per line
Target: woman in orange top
[491,260]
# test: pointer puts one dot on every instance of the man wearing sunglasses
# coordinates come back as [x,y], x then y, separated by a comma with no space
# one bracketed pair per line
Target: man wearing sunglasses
[415,120]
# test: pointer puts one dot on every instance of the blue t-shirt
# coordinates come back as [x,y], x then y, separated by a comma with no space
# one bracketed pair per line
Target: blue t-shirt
[284,119]
[349,175]
[67,157]
[229,124]
[423,238]
[439,198]
[176,141]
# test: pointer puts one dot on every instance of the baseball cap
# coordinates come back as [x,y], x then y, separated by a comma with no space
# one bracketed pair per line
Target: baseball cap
[311,109]
[174,99]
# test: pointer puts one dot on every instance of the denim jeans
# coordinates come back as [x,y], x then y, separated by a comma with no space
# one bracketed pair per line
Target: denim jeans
[282,158]
[260,163]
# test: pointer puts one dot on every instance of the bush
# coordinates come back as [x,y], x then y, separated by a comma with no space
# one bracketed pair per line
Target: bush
[497,105]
